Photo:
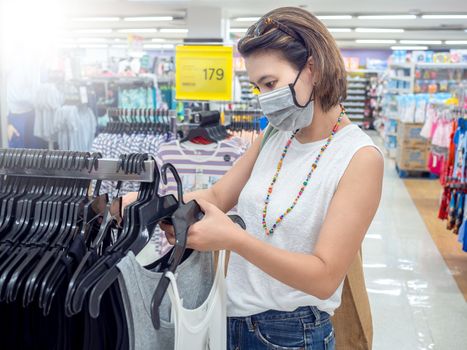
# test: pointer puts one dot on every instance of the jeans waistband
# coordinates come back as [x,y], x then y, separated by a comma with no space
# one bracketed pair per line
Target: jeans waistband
[301,312]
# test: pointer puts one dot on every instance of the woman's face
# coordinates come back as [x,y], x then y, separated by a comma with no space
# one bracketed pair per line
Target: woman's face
[269,71]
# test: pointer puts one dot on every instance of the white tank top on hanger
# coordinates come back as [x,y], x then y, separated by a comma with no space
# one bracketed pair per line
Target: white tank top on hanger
[203,328]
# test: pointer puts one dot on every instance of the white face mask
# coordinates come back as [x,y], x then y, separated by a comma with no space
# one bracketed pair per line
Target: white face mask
[283,111]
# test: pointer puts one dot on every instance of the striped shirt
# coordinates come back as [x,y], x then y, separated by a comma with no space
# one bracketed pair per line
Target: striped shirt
[199,166]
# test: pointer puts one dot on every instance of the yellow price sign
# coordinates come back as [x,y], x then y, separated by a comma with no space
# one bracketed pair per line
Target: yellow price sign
[203,73]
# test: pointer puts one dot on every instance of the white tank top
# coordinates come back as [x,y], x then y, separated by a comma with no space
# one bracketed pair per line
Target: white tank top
[203,328]
[249,289]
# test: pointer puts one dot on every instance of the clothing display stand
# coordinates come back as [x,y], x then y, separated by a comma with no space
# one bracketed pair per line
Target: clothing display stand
[96,169]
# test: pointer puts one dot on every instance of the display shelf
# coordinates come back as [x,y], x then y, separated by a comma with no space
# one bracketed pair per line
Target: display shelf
[442,65]
[409,79]
[376,71]
[357,80]
[401,65]
[399,91]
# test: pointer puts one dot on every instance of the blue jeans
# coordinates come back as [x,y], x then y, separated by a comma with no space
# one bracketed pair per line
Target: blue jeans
[305,328]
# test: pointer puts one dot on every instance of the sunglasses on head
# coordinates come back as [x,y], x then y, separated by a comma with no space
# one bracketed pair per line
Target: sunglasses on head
[266,24]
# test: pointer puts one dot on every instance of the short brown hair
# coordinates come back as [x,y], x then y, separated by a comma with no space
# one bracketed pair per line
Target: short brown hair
[311,39]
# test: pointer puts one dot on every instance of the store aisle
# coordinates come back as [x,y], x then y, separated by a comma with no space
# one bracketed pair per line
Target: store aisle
[415,301]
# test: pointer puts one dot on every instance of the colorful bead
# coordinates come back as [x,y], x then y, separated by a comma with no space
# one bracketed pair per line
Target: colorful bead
[305,183]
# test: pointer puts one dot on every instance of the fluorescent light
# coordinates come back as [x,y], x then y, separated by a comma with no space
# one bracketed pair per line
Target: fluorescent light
[387,17]
[119,46]
[68,46]
[117,40]
[335,17]
[95,46]
[379,30]
[421,42]
[375,41]
[96,19]
[91,40]
[153,46]
[340,30]
[444,16]
[148,19]
[159,46]
[456,42]
[174,30]
[399,47]
[158,40]
[238,30]
[247,19]
[138,30]
[93,31]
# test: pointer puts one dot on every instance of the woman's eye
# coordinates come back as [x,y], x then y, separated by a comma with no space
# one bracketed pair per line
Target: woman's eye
[270,85]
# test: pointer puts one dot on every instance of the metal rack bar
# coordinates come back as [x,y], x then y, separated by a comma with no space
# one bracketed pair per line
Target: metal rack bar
[107,169]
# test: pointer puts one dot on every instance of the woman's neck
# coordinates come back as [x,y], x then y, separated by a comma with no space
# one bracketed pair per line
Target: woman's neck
[322,124]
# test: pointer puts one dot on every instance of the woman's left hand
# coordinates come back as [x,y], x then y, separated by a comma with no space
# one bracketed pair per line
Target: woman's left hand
[216,231]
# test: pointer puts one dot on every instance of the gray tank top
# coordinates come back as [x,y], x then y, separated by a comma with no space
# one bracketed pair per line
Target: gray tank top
[195,277]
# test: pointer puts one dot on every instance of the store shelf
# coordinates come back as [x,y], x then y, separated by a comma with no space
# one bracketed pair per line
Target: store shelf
[442,65]
[357,80]
[409,79]
[376,71]
[401,65]
[356,92]
[399,91]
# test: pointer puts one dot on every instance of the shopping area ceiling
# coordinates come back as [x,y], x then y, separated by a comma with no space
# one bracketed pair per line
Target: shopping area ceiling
[429,22]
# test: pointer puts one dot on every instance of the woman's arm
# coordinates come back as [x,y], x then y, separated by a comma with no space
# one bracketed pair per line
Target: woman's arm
[348,218]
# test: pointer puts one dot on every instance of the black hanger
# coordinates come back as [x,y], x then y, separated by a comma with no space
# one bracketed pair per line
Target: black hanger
[182,218]
[148,215]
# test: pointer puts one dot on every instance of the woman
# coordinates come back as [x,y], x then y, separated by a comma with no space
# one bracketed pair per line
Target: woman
[307,197]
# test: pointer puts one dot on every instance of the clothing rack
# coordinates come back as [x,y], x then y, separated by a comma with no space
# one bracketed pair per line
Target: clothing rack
[73,165]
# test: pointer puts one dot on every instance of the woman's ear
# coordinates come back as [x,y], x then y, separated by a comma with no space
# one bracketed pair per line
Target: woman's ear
[310,64]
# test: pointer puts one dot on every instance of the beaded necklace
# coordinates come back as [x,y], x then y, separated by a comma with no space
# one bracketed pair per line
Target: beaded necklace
[305,183]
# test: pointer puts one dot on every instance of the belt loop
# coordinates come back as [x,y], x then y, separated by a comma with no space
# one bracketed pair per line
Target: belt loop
[249,323]
[317,314]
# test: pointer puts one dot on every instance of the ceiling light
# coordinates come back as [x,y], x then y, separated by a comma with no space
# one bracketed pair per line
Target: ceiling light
[138,30]
[247,19]
[96,19]
[174,30]
[375,41]
[152,46]
[93,31]
[387,17]
[148,19]
[91,40]
[399,47]
[421,42]
[340,30]
[444,16]
[158,40]
[379,30]
[68,46]
[119,46]
[168,46]
[238,30]
[335,17]
[95,46]
[456,42]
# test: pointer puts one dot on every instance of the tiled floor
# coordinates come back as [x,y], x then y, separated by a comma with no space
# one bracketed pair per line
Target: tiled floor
[415,301]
